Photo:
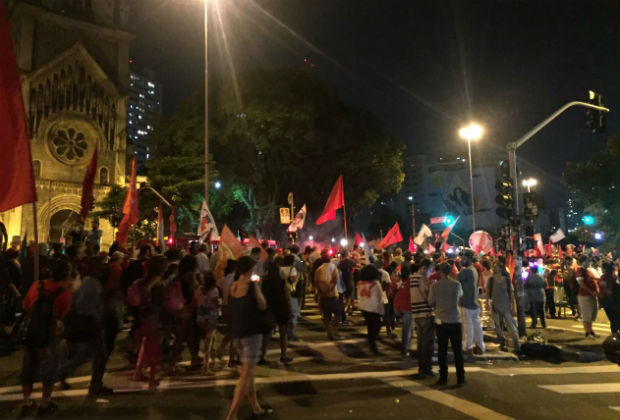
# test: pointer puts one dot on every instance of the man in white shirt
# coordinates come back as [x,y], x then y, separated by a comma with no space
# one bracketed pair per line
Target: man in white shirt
[203,259]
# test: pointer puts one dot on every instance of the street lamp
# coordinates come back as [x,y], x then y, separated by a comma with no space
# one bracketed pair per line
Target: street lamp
[217,185]
[471,132]
[529,183]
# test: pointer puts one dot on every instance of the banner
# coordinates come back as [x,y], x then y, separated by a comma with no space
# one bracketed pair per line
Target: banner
[207,223]
[231,242]
[423,235]
[446,232]
[557,236]
[253,243]
[437,220]
[16,174]
[299,220]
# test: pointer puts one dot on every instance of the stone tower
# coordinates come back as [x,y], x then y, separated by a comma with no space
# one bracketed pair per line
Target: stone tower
[73,58]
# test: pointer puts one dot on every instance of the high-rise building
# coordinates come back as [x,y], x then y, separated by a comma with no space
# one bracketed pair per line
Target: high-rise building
[73,59]
[143,111]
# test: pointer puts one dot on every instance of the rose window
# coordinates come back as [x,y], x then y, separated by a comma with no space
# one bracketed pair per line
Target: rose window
[69,145]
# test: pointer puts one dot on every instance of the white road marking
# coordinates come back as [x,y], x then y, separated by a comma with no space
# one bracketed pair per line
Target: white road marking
[464,406]
[552,370]
[601,388]
[614,408]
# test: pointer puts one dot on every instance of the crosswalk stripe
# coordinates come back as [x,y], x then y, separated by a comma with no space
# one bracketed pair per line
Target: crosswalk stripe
[614,408]
[466,407]
[552,370]
[596,328]
[600,388]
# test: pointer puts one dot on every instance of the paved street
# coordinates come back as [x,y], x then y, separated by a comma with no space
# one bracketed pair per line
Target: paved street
[330,380]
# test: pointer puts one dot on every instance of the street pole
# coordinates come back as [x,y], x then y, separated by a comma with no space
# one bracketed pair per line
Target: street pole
[412,219]
[206,21]
[516,232]
[471,187]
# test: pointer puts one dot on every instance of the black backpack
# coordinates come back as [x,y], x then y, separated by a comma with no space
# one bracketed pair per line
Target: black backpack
[41,324]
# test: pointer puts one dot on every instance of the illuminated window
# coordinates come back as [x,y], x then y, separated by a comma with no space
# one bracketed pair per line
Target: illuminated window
[36,168]
[103,176]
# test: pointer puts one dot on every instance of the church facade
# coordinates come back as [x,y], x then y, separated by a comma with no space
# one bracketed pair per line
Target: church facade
[73,59]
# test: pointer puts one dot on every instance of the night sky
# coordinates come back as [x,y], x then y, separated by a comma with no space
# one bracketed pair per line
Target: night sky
[424,68]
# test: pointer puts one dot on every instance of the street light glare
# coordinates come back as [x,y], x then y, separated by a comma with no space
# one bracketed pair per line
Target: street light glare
[473,131]
[529,182]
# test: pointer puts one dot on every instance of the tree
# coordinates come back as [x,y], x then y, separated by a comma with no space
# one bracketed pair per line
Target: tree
[111,206]
[594,184]
[276,132]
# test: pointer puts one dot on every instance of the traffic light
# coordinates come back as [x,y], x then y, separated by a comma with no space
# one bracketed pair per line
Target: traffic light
[597,120]
[587,220]
[504,199]
[530,208]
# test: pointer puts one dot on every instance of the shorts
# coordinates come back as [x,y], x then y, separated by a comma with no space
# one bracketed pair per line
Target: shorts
[249,348]
[42,360]
[329,306]
[588,307]
[350,292]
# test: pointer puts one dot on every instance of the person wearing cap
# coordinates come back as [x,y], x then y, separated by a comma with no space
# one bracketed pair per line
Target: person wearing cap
[472,328]
[371,299]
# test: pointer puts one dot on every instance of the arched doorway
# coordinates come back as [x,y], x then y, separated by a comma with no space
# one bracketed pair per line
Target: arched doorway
[61,223]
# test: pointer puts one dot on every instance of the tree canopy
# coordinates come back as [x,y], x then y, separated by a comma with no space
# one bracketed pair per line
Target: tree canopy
[271,133]
[594,184]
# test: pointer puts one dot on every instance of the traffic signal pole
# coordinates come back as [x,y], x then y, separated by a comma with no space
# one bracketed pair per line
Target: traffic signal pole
[516,213]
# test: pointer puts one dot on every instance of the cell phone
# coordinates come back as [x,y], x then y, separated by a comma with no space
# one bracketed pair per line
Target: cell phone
[255,278]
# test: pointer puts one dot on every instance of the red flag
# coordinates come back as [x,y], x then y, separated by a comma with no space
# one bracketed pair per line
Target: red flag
[334,202]
[130,208]
[88,184]
[358,239]
[230,240]
[412,246]
[510,264]
[549,249]
[431,249]
[445,246]
[16,174]
[393,236]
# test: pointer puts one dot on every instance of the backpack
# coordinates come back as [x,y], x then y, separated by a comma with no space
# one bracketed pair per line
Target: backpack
[323,280]
[173,296]
[41,325]
[80,328]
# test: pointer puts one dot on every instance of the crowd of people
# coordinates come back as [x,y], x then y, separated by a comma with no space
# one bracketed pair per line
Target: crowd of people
[183,297]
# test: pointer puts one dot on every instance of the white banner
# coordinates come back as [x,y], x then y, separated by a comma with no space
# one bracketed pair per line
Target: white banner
[207,223]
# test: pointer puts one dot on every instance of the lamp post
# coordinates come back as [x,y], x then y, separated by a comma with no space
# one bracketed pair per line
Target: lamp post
[410,198]
[529,183]
[206,22]
[471,132]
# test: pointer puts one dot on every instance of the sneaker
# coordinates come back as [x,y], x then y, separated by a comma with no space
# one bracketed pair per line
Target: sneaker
[27,409]
[461,382]
[47,410]
[102,391]
[286,359]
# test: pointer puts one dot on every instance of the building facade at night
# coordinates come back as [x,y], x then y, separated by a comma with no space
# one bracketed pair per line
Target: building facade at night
[143,111]
[73,59]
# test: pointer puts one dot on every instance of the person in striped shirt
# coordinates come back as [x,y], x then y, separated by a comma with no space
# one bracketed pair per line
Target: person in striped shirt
[423,317]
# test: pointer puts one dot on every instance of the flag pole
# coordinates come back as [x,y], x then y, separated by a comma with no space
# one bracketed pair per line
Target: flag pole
[344,212]
[36,248]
